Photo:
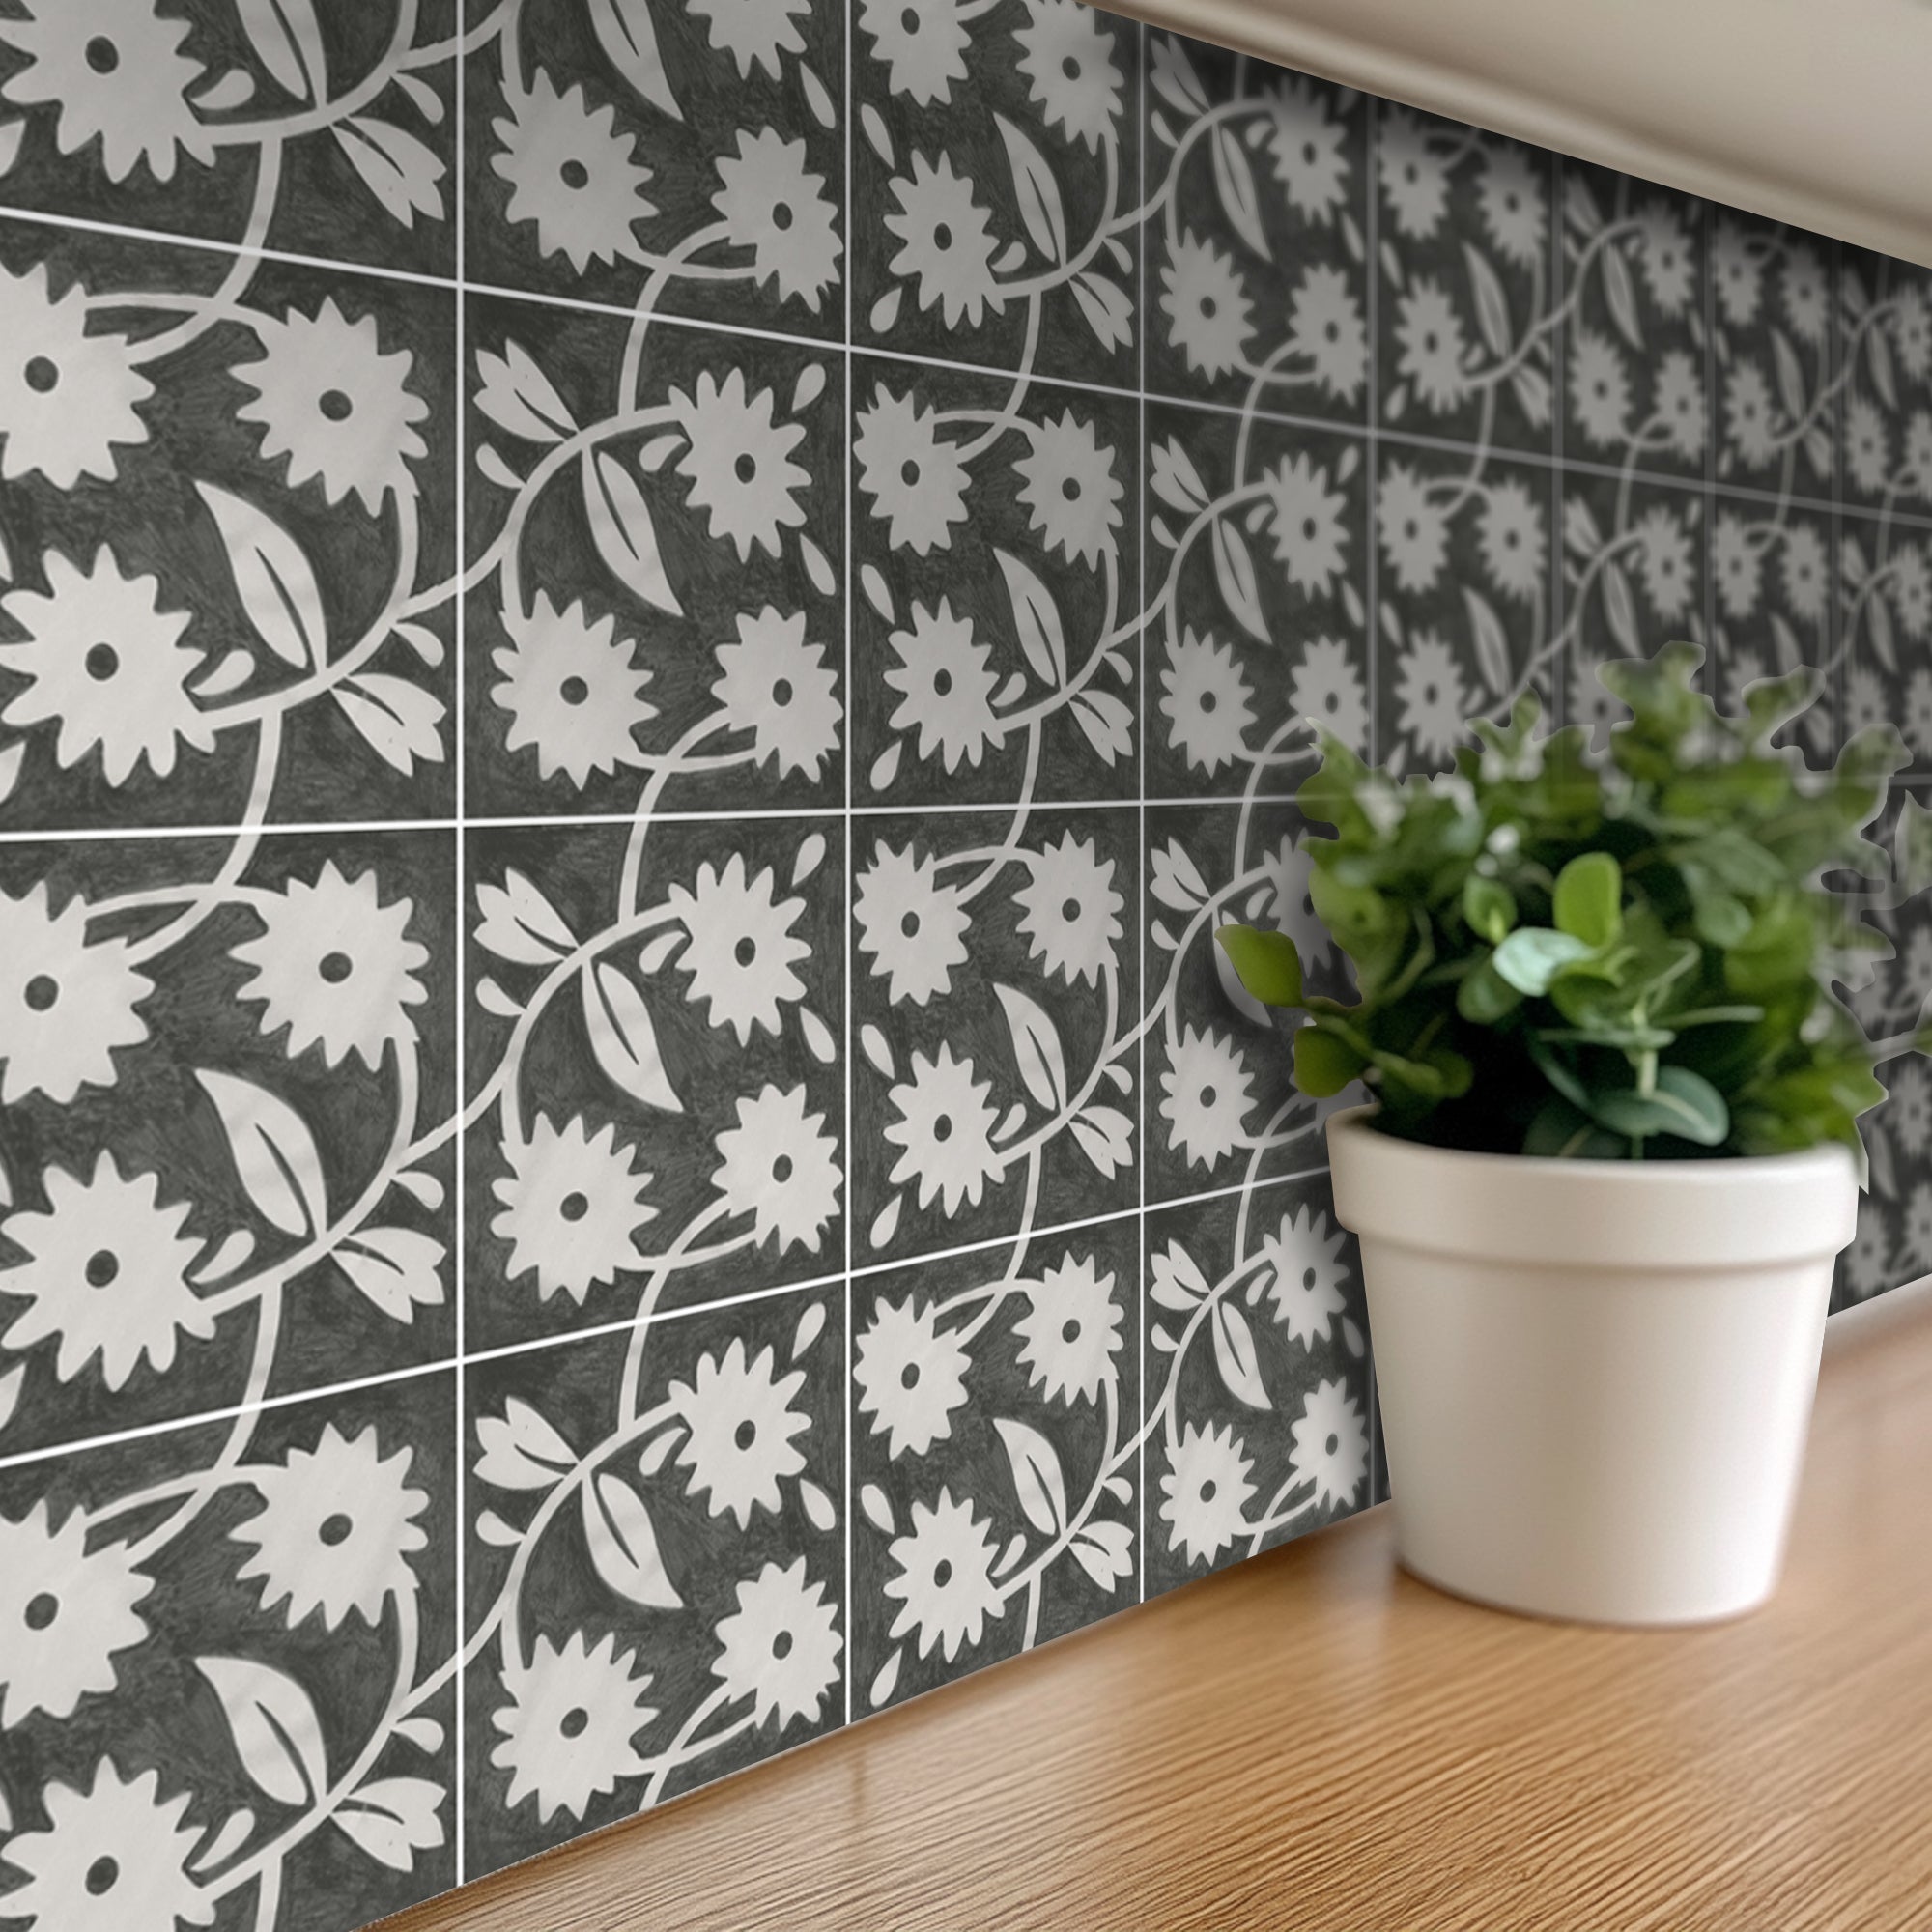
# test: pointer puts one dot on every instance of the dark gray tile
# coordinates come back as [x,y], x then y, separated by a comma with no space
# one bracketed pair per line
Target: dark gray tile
[995,1419]
[1885,359]
[1884,624]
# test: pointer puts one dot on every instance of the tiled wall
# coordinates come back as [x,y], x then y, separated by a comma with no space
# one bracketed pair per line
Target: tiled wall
[638,645]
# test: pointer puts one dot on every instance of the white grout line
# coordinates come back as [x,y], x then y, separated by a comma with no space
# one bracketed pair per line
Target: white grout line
[460,1245]
[1146,713]
[846,1342]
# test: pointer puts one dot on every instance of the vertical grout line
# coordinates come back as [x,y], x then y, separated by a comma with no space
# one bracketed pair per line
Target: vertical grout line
[1146,722]
[1835,349]
[459,712]
[1716,674]
[1559,664]
[845,928]
[1371,109]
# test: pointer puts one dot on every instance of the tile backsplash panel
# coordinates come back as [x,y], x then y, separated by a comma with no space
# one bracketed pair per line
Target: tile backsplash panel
[638,645]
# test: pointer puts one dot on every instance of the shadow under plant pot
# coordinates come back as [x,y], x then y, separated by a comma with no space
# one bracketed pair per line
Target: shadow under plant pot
[1596,1376]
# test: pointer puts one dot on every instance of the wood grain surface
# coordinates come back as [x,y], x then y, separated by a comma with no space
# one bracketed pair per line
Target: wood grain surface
[1314,1740]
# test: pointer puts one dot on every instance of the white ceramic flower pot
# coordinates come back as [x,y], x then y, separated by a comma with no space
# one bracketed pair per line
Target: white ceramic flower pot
[1596,1376]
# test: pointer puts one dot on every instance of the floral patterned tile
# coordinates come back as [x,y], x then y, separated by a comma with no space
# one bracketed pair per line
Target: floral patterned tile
[1634,565]
[655,612]
[656,1567]
[996,1414]
[1257,262]
[657,1086]
[1775,406]
[996,638]
[227,544]
[227,1654]
[1218,1107]
[226,1088]
[1257,568]
[1258,1377]
[312,130]
[663,160]
[1884,625]
[1637,350]
[1884,362]
[1468,318]
[996,180]
[995,981]
[1465,597]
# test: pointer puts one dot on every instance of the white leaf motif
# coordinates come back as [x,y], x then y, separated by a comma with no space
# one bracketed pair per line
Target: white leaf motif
[1235,1356]
[624,1545]
[287,38]
[400,722]
[1037,1047]
[1036,191]
[277,1733]
[630,42]
[272,578]
[519,924]
[1036,618]
[393,1818]
[274,1153]
[1037,1478]
[396,1269]
[622,529]
[624,1039]
[518,396]
[397,168]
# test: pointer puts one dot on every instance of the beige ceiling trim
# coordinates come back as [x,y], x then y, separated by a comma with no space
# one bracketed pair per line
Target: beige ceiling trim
[1813,112]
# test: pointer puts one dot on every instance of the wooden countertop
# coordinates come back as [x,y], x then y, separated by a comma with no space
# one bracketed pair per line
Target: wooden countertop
[1312,1739]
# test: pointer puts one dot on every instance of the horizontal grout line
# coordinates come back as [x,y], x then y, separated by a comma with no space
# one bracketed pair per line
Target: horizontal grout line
[538,1345]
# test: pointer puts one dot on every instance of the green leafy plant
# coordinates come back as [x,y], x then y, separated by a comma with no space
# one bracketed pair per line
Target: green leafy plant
[1631,955]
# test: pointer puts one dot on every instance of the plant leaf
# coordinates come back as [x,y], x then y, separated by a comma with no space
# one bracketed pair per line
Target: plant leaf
[1683,1103]
[1532,955]
[1589,899]
[1270,966]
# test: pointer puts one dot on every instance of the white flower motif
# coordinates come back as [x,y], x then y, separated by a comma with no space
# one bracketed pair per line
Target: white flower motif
[1068,486]
[1434,353]
[913,927]
[741,1447]
[1752,419]
[572,173]
[1600,394]
[572,1205]
[775,685]
[115,71]
[1415,178]
[1910,321]
[743,948]
[1909,1111]
[1510,196]
[779,1167]
[1804,574]
[335,966]
[1328,687]
[1679,404]
[946,689]
[1414,531]
[771,205]
[1325,326]
[1330,1444]
[1070,911]
[1206,306]
[1807,296]
[1206,1491]
[1664,562]
[1310,537]
[1912,590]
[1206,1096]
[911,1378]
[573,691]
[1919,711]
[1591,705]
[1666,255]
[1734,562]
[922,43]
[105,664]
[946,243]
[336,1530]
[755,33]
[914,476]
[1510,531]
[1306,1274]
[944,1131]
[1290,869]
[65,1614]
[67,396]
[336,403]
[1735,273]
[945,1582]
[1068,57]
[1307,146]
[66,1007]
[1868,445]
[1916,469]
[1430,697]
[568,1730]
[738,463]
[112,1857]
[1206,702]
[1070,1331]
[779,1647]
[1868,1260]
[106,1274]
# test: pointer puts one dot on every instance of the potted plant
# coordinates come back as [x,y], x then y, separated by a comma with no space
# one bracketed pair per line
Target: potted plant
[1614,1144]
